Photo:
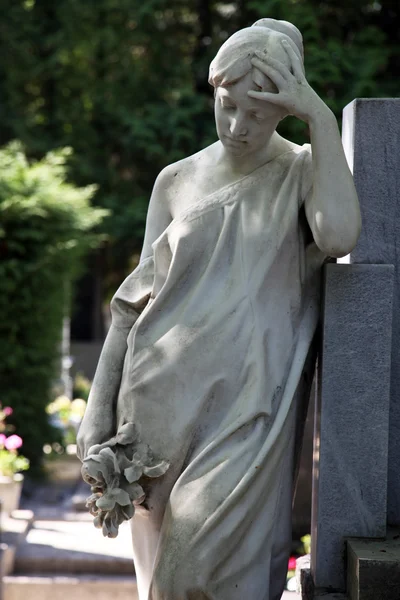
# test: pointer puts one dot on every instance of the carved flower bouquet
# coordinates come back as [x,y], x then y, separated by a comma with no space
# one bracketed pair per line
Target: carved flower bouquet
[113,470]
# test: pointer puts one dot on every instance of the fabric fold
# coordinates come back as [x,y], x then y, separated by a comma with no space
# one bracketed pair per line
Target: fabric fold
[133,295]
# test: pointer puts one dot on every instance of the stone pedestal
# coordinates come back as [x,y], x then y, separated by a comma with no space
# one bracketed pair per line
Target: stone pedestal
[371,138]
[351,435]
[373,568]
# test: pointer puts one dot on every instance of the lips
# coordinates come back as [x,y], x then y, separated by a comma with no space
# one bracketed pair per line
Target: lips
[234,141]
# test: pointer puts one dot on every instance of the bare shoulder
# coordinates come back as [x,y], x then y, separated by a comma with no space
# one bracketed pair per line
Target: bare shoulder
[181,181]
[185,167]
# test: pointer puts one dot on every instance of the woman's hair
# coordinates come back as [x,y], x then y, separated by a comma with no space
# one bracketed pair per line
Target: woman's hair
[233,60]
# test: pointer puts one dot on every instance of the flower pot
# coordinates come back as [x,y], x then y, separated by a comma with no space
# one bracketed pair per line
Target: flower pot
[10,492]
[64,469]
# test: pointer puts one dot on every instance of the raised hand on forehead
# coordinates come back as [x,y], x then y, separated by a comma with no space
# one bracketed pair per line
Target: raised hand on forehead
[294,92]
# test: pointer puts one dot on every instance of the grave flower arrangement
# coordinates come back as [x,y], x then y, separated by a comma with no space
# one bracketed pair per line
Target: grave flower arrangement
[11,462]
[66,415]
[291,575]
[305,548]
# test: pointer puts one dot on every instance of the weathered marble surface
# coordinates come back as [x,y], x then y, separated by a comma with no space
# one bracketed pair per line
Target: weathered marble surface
[200,371]
[371,137]
[351,441]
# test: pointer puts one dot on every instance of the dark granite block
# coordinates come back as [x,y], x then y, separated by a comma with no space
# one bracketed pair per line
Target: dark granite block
[351,437]
[373,569]
[371,138]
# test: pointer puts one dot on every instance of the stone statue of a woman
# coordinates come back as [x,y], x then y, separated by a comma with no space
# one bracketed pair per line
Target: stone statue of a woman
[192,410]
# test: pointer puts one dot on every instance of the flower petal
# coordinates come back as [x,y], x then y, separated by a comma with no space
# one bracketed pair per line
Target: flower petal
[142,453]
[136,493]
[94,510]
[86,477]
[128,511]
[123,513]
[110,526]
[133,473]
[127,434]
[122,459]
[93,499]
[103,466]
[93,457]
[110,460]
[106,502]
[121,496]
[91,472]
[107,453]
[99,520]
[94,450]
[156,470]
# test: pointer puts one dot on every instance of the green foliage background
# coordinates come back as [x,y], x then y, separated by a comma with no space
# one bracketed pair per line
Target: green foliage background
[45,228]
[124,83]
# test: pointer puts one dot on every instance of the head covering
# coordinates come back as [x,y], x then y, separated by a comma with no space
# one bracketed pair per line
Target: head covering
[233,59]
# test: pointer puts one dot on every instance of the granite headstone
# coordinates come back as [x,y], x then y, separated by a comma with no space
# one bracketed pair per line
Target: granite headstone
[351,436]
[371,139]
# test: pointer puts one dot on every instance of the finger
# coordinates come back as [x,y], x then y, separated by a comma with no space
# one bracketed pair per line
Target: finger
[277,99]
[297,65]
[275,64]
[270,72]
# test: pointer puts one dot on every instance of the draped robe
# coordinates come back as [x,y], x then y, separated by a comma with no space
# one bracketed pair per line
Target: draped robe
[211,375]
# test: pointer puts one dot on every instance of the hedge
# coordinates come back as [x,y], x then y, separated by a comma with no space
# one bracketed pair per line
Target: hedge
[46,226]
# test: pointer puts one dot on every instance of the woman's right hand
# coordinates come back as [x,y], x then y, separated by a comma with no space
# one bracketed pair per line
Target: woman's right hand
[84,440]
[93,431]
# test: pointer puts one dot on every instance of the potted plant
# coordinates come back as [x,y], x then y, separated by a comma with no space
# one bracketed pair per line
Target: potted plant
[61,462]
[11,464]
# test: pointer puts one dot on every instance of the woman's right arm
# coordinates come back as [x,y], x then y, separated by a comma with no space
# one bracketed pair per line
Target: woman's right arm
[98,424]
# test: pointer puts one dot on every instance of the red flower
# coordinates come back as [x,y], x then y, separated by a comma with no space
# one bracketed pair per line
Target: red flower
[292,563]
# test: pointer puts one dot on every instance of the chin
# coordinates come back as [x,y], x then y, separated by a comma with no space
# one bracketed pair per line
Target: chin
[240,149]
[234,152]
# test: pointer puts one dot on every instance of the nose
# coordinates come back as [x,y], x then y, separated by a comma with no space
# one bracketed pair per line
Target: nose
[238,126]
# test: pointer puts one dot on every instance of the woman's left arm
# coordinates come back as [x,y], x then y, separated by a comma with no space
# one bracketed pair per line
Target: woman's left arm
[332,207]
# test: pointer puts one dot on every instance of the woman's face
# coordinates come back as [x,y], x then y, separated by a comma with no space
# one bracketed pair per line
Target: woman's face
[244,124]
